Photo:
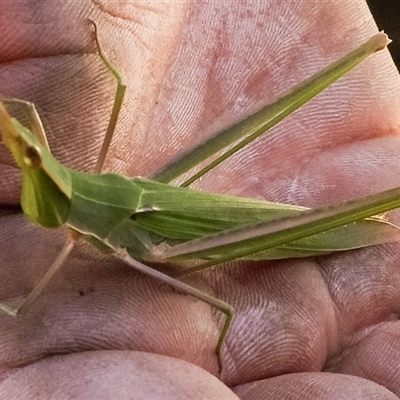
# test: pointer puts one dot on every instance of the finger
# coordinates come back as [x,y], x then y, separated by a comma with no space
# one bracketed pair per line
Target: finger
[374,357]
[314,385]
[113,374]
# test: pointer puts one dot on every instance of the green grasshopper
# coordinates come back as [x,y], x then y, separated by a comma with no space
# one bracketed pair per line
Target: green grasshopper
[153,221]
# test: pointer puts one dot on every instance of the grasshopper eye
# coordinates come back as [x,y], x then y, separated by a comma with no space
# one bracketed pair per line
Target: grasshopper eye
[32,157]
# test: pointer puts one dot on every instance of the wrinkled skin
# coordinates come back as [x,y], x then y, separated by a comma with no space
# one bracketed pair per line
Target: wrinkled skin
[191,69]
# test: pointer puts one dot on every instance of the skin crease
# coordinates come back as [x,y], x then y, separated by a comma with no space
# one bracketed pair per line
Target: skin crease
[192,68]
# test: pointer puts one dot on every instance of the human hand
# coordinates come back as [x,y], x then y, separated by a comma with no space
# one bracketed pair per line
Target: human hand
[192,69]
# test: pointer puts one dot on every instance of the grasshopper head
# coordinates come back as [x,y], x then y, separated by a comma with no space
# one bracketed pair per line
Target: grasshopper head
[24,146]
[46,184]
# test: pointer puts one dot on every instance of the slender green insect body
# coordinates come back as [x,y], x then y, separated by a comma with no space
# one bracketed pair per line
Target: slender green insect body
[141,220]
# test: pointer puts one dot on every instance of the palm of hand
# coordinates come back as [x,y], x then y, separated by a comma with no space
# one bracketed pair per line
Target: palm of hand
[335,313]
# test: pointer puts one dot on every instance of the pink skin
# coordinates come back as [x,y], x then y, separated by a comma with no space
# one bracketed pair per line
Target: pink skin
[192,69]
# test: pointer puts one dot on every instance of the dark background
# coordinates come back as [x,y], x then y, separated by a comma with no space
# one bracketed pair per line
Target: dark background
[387,16]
